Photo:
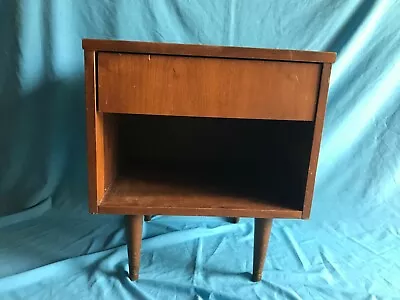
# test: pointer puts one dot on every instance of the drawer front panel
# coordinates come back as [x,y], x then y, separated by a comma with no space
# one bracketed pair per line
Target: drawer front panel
[207,87]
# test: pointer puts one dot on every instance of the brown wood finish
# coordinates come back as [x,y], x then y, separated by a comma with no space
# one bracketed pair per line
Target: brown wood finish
[91,120]
[247,157]
[101,141]
[207,51]
[319,123]
[134,241]
[109,158]
[136,196]
[226,88]
[105,154]
[262,231]
[203,130]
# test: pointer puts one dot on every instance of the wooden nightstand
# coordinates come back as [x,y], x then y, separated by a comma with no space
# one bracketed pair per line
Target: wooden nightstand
[203,130]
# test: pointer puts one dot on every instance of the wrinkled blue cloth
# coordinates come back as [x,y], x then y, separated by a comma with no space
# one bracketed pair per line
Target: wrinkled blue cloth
[51,248]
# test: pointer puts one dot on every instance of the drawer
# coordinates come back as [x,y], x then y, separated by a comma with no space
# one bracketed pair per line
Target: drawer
[207,87]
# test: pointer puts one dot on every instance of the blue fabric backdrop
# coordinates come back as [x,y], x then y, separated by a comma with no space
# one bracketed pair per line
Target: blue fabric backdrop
[51,248]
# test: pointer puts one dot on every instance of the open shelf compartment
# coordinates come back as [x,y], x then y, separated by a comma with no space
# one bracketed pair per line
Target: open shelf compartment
[204,166]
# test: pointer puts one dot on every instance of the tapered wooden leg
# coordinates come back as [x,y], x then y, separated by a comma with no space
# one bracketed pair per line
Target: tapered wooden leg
[147,218]
[262,230]
[134,240]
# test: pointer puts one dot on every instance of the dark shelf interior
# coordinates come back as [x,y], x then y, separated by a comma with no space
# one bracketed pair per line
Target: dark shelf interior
[205,165]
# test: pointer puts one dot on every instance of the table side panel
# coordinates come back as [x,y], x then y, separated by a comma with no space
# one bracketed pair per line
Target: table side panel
[316,143]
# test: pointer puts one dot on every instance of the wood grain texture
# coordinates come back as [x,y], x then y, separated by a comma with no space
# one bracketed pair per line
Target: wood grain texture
[147,196]
[262,232]
[203,130]
[134,243]
[207,87]
[91,120]
[207,51]
[101,139]
[316,141]
[255,159]
[110,151]
[253,154]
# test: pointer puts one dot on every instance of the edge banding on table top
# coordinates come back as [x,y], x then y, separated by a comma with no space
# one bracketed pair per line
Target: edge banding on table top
[207,51]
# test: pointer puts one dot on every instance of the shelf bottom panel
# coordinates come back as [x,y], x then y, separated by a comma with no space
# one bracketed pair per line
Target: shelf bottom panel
[148,195]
